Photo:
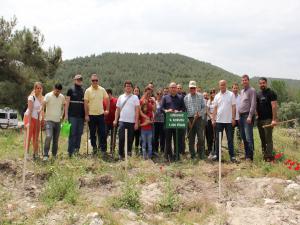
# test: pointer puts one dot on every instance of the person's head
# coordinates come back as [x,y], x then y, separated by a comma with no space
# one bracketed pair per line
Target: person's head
[136,91]
[37,89]
[78,80]
[144,108]
[212,94]
[222,85]
[179,88]
[166,90]
[173,88]
[151,85]
[128,86]
[245,81]
[199,90]
[159,94]
[94,80]
[147,92]
[235,88]
[109,92]
[57,89]
[263,83]
[205,95]
[192,87]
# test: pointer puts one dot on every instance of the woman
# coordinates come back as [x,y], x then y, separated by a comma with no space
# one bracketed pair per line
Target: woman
[32,118]
[159,132]
[209,131]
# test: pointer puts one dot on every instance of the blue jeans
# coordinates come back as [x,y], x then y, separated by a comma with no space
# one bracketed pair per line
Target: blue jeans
[247,135]
[229,134]
[96,124]
[146,142]
[75,134]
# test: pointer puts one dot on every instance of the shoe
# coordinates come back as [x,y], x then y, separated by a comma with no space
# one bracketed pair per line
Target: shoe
[215,158]
[233,160]
[35,156]
[46,158]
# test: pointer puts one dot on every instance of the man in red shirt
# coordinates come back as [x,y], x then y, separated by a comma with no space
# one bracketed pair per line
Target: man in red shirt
[109,118]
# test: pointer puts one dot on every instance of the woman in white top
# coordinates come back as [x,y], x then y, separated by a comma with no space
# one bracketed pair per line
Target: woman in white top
[32,118]
[209,131]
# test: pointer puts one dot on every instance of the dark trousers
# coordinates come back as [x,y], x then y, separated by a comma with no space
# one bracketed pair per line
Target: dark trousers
[110,131]
[52,133]
[228,130]
[75,134]
[210,137]
[266,139]
[97,125]
[159,137]
[171,134]
[137,134]
[198,130]
[130,132]
[247,135]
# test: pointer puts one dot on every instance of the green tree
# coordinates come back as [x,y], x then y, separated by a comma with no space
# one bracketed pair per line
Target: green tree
[22,62]
[281,90]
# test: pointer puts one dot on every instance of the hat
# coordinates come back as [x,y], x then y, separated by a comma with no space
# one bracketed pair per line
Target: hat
[192,84]
[77,77]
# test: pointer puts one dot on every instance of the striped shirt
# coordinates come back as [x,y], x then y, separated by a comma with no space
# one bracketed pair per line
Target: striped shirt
[195,103]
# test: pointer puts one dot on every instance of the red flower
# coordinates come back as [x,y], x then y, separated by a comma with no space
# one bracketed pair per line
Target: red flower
[290,167]
[292,163]
[297,168]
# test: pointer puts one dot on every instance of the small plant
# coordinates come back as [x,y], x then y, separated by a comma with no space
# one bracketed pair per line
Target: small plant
[60,188]
[130,197]
[169,202]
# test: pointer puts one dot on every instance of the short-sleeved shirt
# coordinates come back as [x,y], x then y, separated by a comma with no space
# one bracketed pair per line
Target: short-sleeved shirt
[264,106]
[127,113]
[36,107]
[210,107]
[159,115]
[237,102]
[95,97]
[76,106]
[195,103]
[109,119]
[54,107]
[142,120]
[224,102]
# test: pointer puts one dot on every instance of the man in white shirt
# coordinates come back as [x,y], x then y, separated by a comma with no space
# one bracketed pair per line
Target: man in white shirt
[127,113]
[224,117]
[54,103]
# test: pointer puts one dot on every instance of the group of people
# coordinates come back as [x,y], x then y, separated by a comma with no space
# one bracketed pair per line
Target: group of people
[142,118]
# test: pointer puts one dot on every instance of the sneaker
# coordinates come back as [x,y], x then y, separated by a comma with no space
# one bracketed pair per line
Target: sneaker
[214,158]
[233,160]
[35,156]
[46,158]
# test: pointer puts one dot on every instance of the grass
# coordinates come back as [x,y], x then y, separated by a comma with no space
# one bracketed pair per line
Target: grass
[169,201]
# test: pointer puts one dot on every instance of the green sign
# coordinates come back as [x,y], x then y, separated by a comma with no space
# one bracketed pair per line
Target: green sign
[176,120]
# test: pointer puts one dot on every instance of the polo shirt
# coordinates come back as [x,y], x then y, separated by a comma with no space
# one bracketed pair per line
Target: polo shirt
[76,106]
[54,107]
[95,97]
[264,106]
[127,113]
[173,102]
[224,102]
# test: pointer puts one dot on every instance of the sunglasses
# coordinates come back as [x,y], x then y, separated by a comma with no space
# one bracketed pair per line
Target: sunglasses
[94,80]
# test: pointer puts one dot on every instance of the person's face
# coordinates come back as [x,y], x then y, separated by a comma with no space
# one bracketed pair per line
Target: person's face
[78,82]
[166,91]
[235,89]
[205,95]
[222,86]
[173,89]
[56,92]
[136,91]
[245,82]
[128,88]
[192,90]
[262,84]
[212,94]
[38,89]
[179,88]
[158,95]
[94,81]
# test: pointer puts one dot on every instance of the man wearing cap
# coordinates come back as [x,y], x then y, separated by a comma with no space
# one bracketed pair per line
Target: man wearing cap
[74,113]
[94,113]
[195,106]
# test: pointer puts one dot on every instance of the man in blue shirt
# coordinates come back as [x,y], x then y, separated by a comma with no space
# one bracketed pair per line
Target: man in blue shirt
[173,102]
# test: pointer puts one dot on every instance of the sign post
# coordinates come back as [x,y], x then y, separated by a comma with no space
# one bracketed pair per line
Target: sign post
[176,121]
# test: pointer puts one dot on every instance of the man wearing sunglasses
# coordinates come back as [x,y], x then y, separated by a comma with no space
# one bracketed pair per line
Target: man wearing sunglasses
[74,112]
[94,97]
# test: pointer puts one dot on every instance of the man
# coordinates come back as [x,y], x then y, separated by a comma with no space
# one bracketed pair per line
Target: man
[173,102]
[224,117]
[54,103]
[166,90]
[179,89]
[235,91]
[127,113]
[109,119]
[266,114]
[94,97]
[74,112]
[247,110]
[195,106]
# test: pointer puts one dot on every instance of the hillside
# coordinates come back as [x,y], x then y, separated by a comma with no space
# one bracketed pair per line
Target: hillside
[114,68]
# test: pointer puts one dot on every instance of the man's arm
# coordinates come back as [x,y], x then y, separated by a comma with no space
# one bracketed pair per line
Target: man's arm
[274,113]
[233,114]
[137,114]
[107,103]
[213,120]
[86,110]
[67,104]
[117,114]
[252,107]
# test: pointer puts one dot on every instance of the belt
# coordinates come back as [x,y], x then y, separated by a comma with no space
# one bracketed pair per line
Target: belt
[80,102]
[244,114]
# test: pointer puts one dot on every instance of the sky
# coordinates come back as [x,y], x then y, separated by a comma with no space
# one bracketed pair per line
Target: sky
[254,37]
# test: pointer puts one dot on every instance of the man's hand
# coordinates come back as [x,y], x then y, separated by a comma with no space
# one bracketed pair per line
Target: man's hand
[66,118]
[115,123]
[106,112]
[233,122]
[87,118]
[136,126]
[249,120]
[274,123]
[213,123]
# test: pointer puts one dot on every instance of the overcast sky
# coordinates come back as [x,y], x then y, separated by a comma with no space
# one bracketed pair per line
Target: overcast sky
[257,37]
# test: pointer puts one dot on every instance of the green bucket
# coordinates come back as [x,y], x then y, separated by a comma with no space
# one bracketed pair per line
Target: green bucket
[65,129]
